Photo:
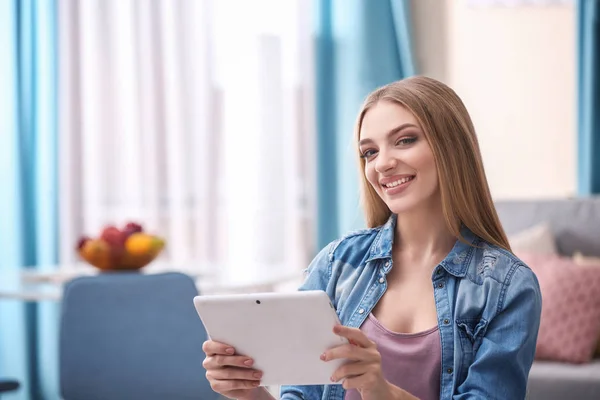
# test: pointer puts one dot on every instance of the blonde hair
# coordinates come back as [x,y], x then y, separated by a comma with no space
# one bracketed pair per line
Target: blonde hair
[465,194]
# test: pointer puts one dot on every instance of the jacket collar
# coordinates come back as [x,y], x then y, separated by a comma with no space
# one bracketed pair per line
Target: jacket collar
[382,245]
[456,262]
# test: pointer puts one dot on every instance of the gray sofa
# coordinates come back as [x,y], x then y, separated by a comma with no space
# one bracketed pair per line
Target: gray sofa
[576,225]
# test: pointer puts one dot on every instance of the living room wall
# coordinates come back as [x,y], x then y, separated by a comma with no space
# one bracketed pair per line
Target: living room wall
[514,68]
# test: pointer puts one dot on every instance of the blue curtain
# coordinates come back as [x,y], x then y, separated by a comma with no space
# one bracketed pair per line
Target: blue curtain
[588,96]
[361,45]
[28,184]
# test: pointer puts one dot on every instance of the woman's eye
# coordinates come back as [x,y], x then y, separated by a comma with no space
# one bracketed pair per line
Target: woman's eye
[406,141]
[368,153]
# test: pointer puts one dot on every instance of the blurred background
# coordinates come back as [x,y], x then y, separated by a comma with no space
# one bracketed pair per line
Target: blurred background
[225,126]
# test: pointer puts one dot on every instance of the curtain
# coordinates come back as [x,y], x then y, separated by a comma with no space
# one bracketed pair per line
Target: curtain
[193,118]
[360,45]
[588,96]
[28,182]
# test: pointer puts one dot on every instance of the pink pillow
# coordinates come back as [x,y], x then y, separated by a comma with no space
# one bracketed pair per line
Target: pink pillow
[570,322]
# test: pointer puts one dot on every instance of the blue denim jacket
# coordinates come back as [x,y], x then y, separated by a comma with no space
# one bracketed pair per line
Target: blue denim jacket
[488,307]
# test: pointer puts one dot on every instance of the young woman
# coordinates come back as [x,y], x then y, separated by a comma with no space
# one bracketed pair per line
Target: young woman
[433,300]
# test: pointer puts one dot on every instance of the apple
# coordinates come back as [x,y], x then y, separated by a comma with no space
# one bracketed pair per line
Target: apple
[113,236]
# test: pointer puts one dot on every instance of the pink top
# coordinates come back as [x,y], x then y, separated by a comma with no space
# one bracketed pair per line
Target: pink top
[409,361]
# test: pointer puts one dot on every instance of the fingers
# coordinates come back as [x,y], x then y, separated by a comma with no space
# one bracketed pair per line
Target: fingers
[224,386]
[211,348]
[365,381]
[346,351]
[353,335]
[233,373]
[351,370]
[353,353]
[226,371]
[219,361]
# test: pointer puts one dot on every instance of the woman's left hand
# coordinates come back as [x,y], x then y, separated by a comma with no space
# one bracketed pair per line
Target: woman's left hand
[363,371]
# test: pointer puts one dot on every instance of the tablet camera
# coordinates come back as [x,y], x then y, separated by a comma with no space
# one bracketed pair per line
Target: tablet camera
[257,301]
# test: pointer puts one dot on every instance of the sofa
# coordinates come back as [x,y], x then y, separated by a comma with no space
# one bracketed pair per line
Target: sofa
[575,225]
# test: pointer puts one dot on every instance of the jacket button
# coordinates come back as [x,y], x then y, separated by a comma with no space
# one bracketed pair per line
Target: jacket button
[387,263]
[446,321]
[450,370]
[381,280]
[441,285]
[361,311]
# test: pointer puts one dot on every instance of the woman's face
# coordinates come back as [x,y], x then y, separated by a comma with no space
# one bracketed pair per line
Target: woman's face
[399,163]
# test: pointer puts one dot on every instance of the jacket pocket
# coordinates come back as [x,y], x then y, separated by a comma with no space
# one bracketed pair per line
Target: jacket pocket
[471,331]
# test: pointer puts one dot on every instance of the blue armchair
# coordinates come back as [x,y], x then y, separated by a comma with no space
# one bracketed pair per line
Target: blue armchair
[132,336]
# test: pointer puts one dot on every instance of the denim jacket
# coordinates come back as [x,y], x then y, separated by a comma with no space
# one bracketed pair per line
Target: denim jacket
[488,306]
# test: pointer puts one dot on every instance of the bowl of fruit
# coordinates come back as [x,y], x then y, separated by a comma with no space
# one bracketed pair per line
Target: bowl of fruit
[129,248]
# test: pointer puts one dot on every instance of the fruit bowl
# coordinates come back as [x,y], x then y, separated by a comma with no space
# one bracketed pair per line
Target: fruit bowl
[124,249]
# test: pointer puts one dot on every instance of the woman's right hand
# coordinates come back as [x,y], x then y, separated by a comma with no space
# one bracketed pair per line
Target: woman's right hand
[230,374]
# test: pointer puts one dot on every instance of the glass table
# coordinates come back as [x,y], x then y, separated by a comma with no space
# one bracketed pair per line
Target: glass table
[46,283]
[14,286]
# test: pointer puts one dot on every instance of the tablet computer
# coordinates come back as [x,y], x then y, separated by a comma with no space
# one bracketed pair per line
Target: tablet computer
[284,333]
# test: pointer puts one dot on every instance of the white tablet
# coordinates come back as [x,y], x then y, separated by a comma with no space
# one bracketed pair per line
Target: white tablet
[285,333]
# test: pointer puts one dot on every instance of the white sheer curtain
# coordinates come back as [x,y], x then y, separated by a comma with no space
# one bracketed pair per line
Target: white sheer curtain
[195,118]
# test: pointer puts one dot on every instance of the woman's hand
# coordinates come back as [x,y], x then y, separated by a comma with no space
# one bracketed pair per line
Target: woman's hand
[363,371]
[229,374]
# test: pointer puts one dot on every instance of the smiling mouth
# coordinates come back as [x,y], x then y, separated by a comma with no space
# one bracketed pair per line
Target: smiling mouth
[398,182]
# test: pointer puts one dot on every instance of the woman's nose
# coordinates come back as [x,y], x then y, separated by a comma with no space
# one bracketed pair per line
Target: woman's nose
[385,162]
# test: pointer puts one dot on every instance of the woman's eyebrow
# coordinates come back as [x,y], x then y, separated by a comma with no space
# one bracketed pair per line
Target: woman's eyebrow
[390,133]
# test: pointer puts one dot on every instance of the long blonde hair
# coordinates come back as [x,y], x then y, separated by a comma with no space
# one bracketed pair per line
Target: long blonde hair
[465,194]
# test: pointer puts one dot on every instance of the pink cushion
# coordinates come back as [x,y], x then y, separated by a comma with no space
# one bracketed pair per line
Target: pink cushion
[570,322]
